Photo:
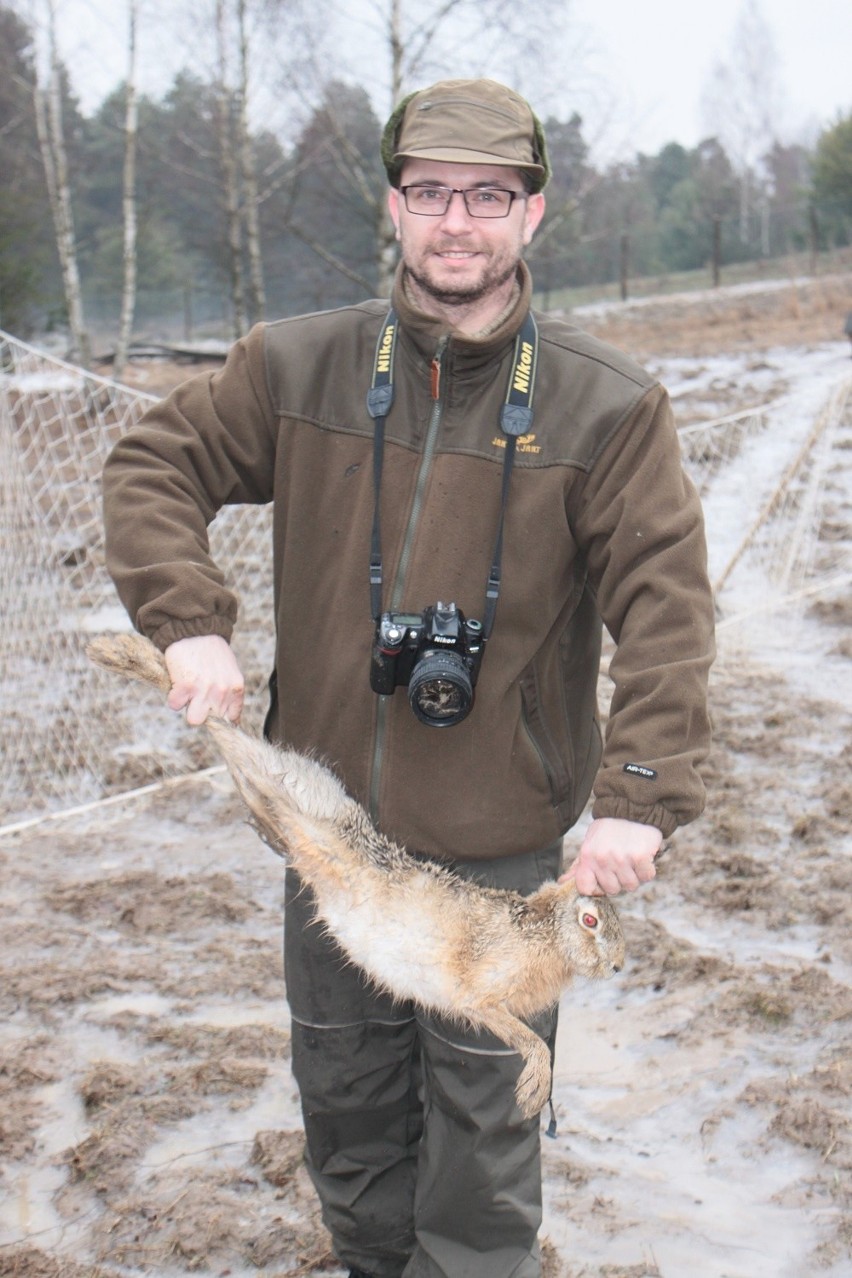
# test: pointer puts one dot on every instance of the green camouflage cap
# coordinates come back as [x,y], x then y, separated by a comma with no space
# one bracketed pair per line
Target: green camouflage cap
[466,122]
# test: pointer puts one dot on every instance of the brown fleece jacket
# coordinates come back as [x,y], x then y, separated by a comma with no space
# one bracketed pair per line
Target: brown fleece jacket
[601,523]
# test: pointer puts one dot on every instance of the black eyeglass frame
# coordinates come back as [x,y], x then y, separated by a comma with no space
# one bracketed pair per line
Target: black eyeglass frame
[464,192]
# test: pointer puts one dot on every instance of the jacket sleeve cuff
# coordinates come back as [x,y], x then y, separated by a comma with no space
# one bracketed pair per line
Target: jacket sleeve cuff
[622,809]
[192,628]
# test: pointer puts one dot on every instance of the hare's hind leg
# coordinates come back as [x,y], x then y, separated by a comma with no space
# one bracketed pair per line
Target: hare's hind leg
[532,1089]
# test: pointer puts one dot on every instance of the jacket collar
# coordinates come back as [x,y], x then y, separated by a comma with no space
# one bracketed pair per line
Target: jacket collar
[425,331]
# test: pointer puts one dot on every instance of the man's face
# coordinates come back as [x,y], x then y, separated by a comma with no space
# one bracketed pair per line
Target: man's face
[456,258]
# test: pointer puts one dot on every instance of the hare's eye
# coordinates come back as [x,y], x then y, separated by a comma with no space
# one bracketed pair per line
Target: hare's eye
[590,921]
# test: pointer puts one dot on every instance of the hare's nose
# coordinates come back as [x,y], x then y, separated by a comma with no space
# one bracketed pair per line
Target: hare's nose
[616,967]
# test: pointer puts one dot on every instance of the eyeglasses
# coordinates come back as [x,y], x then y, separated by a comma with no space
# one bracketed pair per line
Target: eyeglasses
[480,201]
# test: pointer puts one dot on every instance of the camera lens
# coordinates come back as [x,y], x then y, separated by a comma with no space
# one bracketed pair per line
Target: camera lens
[440,691]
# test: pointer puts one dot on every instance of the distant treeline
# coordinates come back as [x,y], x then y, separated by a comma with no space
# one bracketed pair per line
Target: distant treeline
[222,239]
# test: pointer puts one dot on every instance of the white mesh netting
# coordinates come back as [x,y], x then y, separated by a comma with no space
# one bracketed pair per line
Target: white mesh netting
[72,734]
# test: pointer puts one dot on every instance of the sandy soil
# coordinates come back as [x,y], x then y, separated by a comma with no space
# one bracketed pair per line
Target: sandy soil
[148,1121]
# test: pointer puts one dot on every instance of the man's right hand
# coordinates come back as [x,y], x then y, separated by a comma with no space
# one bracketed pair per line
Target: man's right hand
[206,679]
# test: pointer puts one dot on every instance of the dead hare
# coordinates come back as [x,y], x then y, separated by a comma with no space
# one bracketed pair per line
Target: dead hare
[479,956]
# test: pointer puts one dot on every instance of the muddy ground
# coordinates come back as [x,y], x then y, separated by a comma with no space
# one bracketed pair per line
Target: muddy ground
[148,1121]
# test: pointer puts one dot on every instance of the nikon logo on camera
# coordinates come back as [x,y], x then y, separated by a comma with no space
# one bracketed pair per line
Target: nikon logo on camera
[383,357]
[523,369]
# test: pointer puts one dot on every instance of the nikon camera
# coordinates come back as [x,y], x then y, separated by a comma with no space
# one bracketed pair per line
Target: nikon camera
[436,654]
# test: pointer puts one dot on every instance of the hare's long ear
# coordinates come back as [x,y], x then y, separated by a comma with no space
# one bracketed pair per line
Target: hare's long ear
[132,656]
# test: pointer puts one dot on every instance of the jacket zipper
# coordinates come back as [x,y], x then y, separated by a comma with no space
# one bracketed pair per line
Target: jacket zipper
[404,559]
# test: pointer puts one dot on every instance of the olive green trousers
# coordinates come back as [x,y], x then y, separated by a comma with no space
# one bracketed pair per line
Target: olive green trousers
[424,1166]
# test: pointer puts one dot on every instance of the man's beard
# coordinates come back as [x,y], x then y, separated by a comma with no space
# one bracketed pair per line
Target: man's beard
[461,295]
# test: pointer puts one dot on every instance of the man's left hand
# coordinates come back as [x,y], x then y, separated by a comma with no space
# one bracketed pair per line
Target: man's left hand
[615,856]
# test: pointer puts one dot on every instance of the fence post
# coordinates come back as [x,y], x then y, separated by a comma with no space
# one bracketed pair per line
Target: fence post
[717,249]
[624,265]
[813,237]
[187,311]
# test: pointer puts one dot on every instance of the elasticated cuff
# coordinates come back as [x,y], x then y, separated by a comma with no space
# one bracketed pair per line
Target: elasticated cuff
[622,809]
[192,628]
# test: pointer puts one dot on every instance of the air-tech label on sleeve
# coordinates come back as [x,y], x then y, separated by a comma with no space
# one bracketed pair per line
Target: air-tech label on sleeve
[639,770]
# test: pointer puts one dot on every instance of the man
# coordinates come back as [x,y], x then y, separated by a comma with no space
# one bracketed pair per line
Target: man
[520,475]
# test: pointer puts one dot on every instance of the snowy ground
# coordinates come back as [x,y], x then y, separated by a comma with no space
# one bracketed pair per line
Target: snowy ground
[148,1122]
[706,1120]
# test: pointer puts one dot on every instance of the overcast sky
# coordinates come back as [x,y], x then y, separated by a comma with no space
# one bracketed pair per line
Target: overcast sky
[662,53]
[635,69]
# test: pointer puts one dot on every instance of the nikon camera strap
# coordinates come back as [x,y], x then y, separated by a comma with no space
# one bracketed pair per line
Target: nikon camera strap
[516,417]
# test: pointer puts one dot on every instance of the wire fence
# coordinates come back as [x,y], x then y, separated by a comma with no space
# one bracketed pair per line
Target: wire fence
[73,735]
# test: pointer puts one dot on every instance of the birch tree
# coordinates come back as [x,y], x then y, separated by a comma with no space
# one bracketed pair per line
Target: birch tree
[51,136]
[131,123]
[248,175]
[229,167]
[243,198]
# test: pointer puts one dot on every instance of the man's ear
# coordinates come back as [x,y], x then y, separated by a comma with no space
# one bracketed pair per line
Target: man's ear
[393,206]
[534,213]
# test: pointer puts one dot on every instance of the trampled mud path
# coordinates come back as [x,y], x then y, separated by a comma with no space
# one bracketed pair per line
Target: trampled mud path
[148,1121]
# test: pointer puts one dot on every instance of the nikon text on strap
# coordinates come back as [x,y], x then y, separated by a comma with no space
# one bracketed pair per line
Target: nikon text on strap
[516,417]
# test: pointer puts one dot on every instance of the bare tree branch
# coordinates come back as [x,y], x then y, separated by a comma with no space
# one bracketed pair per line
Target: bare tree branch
[329,257]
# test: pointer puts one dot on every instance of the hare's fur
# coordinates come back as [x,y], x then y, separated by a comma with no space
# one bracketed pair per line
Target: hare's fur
[480,956]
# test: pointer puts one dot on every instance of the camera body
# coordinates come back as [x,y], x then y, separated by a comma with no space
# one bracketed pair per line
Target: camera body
[436,654]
